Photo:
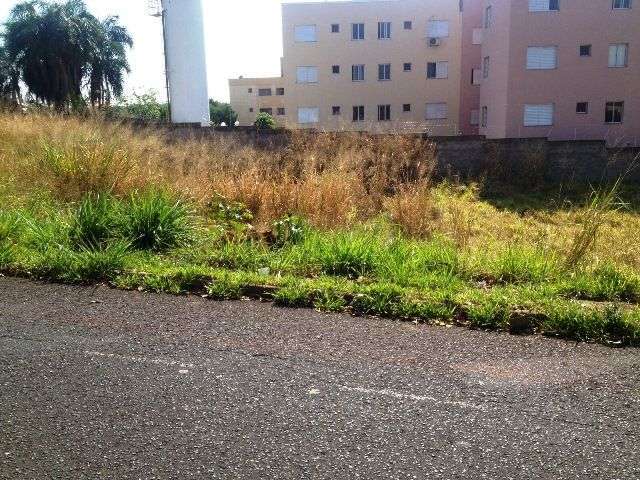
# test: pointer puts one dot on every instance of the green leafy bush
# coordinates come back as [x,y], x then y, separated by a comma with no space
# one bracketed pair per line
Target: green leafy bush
[290,230]
[264,121]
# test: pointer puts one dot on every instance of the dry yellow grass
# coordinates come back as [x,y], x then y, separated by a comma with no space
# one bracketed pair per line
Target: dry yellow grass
[332,180]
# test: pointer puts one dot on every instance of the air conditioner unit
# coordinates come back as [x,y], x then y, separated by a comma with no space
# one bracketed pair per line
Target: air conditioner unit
[434,42]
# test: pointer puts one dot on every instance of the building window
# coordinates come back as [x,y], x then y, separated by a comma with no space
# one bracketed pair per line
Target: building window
[544,5]
[438,29]
[305,33]
[408,25]
[538,115]
[406,107]
[407,67]
[582,107]
[357,31]
[357,73]
[437,111]
[280,91]
[384,71]
[474,118]
[614,112]
[476,74]
[250,90]
[485,67]
[267,110]
[485,116]
[384,113]
[308,114]
[264,92]
[251,110]
[488,17]
[358,113]
[335,69]
[307,75]
[621,4]
[618,55]
[438,70]
[585,50]
[335,28]
[384,30]
[542,58]
[335,110]
[281,111]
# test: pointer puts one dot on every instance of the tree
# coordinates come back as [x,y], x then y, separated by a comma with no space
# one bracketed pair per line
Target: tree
[59,48]
[9,80]
[222,113]
[264,121]
[109,64]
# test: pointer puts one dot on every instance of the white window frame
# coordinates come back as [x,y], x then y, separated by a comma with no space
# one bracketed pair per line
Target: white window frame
[542,6]
[474,118]
[305,33]
[387,109]
[311,115]
[534,115]
[442,70]
[361,32]
[439,111]
[619,53]
[476,76]
[385,69]
[536,59]
[306,75]
[438,29]
[477,36]
[358,68]
[622,4]
[384,30]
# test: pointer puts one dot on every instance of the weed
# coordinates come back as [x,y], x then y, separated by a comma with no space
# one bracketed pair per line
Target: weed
[94,221]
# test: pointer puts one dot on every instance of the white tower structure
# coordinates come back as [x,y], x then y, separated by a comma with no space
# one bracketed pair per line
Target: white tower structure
[186,61]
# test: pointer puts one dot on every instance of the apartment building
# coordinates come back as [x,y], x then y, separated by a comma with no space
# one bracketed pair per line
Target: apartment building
[562,69]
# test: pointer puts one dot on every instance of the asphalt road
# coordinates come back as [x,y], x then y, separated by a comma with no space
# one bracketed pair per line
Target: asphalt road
[99,383]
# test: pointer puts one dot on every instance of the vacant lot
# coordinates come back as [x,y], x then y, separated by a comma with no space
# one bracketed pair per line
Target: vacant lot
[334,222]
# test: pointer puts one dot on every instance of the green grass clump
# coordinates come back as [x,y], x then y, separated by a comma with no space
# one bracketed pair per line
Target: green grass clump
[348,254]
[94,221]
[605,283]
[155,220]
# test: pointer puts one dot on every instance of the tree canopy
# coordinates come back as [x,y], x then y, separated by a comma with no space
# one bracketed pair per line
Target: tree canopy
[60,51]
[222,113]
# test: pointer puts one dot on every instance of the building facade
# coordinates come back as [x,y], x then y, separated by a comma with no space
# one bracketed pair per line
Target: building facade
[562,69]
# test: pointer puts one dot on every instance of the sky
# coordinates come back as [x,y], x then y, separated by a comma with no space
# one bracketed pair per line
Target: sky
[244,37]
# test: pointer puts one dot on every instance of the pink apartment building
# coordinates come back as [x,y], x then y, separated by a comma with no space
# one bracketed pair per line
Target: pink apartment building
[561,69]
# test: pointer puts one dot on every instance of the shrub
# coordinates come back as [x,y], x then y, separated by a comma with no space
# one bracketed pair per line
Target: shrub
[289,230]
[264,121]
[155,220]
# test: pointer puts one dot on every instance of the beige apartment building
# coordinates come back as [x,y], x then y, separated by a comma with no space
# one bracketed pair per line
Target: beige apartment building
[561,69]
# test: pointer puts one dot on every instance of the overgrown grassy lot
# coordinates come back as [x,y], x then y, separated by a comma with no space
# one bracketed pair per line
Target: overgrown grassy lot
[338,223]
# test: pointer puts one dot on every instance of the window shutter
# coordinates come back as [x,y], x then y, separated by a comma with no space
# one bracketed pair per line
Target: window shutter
[538,115]
[307,75]
[305,33]
[308,115]
[437,111]
[477,36]
[475,117]
[476,76]
[542,5]
[438,29]
[442,70]
[542,58]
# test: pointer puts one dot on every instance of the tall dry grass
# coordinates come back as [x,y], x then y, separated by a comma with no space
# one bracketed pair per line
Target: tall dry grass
[332,180]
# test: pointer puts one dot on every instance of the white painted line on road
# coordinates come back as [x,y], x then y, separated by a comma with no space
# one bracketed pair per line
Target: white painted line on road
[410,396]
[131,358]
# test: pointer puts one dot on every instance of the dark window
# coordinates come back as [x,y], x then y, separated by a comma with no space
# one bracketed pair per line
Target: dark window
[384,30]
[554,5]
[335,69]
[582,107]
[335,28]
[585,50]
[407,67]
[485,116]
[406,107]
[267,110]
[384,113]
[280,91]
[357,31]
[358,113]
[251,110]
[264,92]
[384,71]
[432,70]
[335,110]
[281,111]
[251,90]
[408,25]
[614,112]
[621,4]
[357,73]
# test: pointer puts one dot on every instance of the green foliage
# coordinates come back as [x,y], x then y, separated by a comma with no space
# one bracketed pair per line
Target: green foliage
[222,113]
[94,222]
[57,48]
[155,220]
[264,121]
[144,107]
[521,264]
[603,283]
[349,254]
[290,230]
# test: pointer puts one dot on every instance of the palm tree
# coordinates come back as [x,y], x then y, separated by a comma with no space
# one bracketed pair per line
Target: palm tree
[9,80]
[109,64]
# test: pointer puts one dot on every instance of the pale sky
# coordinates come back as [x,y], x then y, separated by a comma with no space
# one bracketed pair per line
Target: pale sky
[244,37]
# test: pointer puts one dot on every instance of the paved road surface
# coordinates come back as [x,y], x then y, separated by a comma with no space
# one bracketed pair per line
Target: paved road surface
[98,383]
